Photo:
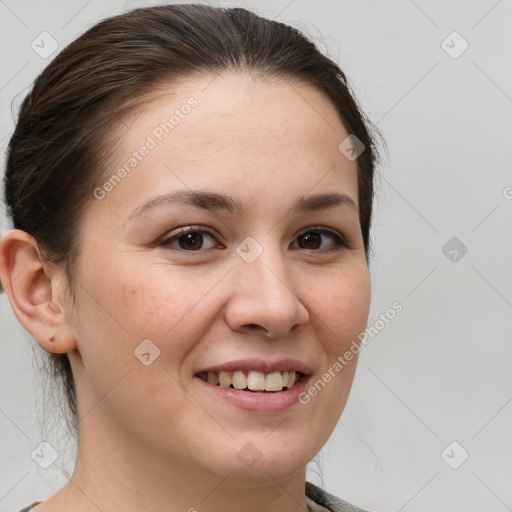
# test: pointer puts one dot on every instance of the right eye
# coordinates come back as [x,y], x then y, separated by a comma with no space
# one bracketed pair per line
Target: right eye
[188,239]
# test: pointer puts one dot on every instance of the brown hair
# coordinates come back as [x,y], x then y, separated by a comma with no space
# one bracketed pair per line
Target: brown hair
[60,144]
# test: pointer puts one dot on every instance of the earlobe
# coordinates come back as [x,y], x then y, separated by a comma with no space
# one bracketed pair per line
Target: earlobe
[35,289]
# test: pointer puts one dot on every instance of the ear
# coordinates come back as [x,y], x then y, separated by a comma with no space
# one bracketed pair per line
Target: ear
[36,291]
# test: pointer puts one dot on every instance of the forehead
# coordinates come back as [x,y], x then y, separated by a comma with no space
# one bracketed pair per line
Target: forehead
[230,132]
[233,107]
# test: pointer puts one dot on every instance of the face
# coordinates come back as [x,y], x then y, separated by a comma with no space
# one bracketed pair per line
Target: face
[266,278]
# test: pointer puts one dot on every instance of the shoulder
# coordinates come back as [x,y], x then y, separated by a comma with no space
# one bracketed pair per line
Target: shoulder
[27,509]
[329,501]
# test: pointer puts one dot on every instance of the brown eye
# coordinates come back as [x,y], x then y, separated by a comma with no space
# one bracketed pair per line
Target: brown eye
[188,239]
[313,238]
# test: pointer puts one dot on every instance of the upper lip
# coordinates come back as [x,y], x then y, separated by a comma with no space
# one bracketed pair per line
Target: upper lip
[261,366]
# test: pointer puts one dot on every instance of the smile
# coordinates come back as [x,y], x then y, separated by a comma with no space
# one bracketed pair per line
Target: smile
[251,380]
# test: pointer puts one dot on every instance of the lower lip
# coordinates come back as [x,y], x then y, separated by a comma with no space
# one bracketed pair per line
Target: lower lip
[270,401]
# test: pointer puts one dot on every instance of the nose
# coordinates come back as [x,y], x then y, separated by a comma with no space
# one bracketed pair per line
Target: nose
[264,297]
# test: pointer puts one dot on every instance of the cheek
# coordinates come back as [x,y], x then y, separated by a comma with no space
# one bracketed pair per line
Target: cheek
[160,301]
[118,309]
[143,299]
[174,308]
[342,305]
[340,313]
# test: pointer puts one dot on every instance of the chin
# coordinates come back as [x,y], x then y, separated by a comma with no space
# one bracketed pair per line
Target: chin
[263,460]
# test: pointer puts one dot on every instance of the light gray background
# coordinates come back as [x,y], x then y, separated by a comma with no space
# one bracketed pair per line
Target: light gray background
[440,371]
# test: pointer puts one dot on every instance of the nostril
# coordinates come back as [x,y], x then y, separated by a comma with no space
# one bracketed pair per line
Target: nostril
[256,327]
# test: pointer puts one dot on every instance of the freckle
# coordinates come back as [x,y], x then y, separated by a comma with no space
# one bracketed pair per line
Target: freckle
[128,291]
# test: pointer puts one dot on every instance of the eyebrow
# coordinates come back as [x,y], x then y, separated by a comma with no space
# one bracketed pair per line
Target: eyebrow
[219,202]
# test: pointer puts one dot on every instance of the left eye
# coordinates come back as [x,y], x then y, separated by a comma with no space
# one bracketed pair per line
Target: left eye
[192,239]
[312,238]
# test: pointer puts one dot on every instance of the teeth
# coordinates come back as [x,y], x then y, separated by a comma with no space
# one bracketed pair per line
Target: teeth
[212,378]
[239,380]
[254,380]
[274,381]
[224,380]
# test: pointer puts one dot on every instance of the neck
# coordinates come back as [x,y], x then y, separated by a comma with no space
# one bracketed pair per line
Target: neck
[114,473]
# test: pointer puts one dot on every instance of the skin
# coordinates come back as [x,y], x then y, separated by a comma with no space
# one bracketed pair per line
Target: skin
[149,437]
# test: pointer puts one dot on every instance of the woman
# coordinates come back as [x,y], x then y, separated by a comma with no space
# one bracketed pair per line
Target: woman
[191,193]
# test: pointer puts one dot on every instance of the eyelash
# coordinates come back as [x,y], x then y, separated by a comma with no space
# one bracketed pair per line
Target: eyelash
[340,242]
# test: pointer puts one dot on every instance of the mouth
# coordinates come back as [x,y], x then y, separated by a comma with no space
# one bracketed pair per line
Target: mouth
[255,385]
[253,380]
